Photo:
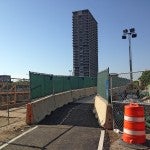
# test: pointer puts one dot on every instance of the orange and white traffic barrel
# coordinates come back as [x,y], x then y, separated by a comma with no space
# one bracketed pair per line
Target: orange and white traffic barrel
[134,124]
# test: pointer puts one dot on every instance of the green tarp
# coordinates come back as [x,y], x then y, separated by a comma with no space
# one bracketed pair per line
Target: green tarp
[44,84]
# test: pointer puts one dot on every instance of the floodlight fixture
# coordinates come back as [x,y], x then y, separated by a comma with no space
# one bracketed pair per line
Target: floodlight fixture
[134,35]
[132,30]
[124,37]
[131,34]
[125,31]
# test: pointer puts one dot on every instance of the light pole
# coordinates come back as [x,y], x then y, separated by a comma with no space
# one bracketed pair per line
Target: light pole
[70,72]
[130,34]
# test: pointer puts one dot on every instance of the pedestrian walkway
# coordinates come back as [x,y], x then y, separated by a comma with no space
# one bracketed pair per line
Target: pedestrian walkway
[71,127]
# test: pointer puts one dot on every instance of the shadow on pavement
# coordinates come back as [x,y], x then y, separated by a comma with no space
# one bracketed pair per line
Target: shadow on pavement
[74,114]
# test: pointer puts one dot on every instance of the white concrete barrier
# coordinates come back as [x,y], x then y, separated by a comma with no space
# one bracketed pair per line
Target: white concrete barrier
[59,100]
[75,95]
[68,97]
[37,110]
[62,99]
[103,112]
[91,91]
[82,93]
[88,91]
[95,90]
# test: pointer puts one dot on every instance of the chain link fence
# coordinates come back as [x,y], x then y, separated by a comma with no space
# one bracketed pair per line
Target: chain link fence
[124,90]
[14,94]
[118,114]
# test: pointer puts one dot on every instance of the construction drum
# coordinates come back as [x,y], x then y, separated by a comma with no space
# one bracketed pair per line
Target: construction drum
[134,124]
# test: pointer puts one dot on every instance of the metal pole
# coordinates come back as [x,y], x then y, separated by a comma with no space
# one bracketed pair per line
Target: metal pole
[130,58]
[111,89]
[7,104]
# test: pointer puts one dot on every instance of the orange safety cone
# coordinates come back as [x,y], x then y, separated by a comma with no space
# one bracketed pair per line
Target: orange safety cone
[29,114]
[134,124]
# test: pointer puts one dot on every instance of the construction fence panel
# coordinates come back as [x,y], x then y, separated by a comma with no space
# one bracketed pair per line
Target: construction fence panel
[57,84]
[48,85]
[94,81]
[87,82]
[103,84]
[119,81]
[66,83]
[81,82]
[91,82]
[74,83]
[35,87]
[38,84]
[44,84]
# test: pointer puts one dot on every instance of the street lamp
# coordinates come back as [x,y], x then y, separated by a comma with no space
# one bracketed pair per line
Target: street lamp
[130,34]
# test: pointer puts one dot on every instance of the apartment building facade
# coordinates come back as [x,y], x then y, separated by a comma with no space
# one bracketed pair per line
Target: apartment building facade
[85,44]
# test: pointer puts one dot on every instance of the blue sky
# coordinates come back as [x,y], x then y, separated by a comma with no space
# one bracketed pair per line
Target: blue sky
[36,35]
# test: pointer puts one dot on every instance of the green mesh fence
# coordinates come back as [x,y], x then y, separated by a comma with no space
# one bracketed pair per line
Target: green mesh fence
[103,84]
[57,84]
[119,81]
[44,84]
[66,83]
[74,83]
[86,82]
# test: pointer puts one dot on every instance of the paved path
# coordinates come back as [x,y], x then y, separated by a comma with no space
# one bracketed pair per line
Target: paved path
[72,127]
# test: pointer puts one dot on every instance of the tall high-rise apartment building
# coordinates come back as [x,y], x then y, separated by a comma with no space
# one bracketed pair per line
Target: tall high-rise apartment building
[85,44]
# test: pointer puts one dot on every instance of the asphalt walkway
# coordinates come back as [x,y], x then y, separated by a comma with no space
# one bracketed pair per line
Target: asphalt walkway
[72,127]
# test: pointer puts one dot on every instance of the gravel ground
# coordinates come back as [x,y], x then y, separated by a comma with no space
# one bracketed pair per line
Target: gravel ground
[113,142]
[110,138]
[16,125]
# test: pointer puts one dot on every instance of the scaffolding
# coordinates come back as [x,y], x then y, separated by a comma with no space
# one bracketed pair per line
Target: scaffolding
[14,92]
